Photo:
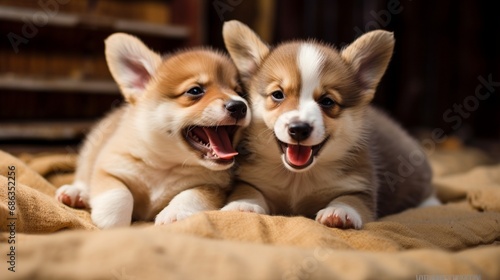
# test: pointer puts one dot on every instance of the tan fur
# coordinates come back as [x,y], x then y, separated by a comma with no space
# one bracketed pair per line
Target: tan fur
[136,164]
[346,184]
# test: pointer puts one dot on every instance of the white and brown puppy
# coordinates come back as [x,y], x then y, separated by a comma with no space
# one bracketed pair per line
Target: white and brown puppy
[316,147]
[168,152]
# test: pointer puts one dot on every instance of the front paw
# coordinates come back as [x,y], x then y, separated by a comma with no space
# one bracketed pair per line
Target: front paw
[172,214]
[340,216]
[74,195]
[243,206]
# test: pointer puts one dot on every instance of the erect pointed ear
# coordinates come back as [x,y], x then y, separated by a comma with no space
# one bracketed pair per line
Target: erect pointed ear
[369,56]
[246,48]
[131,64]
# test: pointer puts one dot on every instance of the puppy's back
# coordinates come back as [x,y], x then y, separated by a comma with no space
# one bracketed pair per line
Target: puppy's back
[95,141]
[403,171]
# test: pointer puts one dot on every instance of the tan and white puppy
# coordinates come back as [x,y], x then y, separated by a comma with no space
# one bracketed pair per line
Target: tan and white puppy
[169,151]
[315,146]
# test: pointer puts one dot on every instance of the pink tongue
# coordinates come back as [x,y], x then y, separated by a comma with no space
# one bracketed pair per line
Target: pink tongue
[298,155]
[220,142]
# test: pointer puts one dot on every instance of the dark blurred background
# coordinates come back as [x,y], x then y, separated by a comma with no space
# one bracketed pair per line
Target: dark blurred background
[445,72]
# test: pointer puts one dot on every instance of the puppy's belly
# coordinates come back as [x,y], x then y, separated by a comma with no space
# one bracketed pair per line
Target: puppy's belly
[149,200]
[151,192]
[301,196]
[154,189]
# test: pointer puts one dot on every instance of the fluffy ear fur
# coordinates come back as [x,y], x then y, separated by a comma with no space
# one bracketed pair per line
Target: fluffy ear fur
[245,47]
[131,63]
[369,56]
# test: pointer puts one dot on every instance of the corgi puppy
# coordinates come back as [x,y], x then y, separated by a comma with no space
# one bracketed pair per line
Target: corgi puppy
[315,146]
[169,151]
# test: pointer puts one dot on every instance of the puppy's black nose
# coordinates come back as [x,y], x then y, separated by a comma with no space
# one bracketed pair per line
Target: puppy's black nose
[299,130]
[237,109]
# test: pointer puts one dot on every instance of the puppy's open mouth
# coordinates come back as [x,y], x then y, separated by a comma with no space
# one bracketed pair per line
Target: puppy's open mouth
[300,156]
[215,143]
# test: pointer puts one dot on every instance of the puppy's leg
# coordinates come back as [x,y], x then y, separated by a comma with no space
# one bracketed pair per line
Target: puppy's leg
[75,195]
[245,198]
[190,202]
[111,202]
[349,211]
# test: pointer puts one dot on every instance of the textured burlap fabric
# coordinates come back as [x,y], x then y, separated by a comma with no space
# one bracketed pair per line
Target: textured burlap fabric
[57,242]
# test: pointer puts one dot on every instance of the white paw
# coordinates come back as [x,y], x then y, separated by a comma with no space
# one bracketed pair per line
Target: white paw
[112,208]
[172,214]
[430,201]
[340,215]
[244,206]
[75,195]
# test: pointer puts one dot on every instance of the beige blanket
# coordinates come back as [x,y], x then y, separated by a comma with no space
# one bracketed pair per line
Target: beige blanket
[53,241]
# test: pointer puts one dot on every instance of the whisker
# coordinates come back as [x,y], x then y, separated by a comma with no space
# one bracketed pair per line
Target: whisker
[184,163]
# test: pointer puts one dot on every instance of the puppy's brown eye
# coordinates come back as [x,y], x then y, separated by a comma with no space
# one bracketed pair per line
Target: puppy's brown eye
[195,91]
[326,102]
[278,96]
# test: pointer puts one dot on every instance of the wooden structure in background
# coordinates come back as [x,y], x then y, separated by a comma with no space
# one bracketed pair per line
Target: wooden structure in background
[54,81]
[442,48]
